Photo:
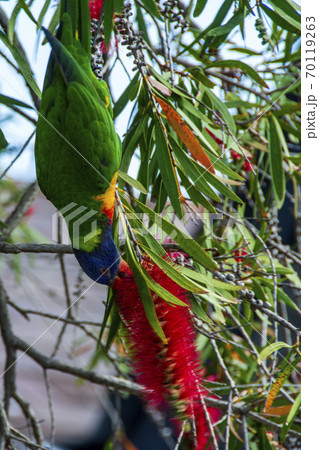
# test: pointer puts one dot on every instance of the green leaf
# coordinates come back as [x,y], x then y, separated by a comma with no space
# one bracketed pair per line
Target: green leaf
[287,12]
[3,141]
[173,271]
[12,101]
[270,349]
[43,13]
[108,20]
[244,50]
[162,292]
[136,184]
[142,286]
[54,21]
[125,97]
[26,9]
[167,170]
[290,418]
[23,65]
[12,22]
[141,25]
[199,311]
[192,170]
[278,20]
[226,170]
[224,30]
[219,105]
[113,330]
[187,244]
[247,70]
[195,194]
[217,21]
[109,305]
[276,160]
[152,8]
[131,140]
[200,5]
[199,75]
[209,281]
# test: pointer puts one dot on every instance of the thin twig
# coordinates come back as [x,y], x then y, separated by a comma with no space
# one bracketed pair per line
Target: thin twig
[49,394]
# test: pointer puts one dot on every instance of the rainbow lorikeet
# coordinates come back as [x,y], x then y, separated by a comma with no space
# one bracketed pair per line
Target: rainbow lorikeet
[77,150]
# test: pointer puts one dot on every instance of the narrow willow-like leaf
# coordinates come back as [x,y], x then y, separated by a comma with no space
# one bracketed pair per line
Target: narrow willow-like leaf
[173,272]
[280,293]
[168,172]
[200,5]
[23,65]
[290,418]
[287,12]
[12,22]
[192,170]
[26,9]
[220,106]
[136,184]
[43,13]
[195,194]
[248,70]
[108,20]
[125,97]
[3,141]
[188,245]
[270,349]
[13,101]
[278,20]
[210,281]
[142,286]
[162,292]
[151,6]
[276,161]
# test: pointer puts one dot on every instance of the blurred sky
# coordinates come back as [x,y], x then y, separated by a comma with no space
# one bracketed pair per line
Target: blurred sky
[17,130]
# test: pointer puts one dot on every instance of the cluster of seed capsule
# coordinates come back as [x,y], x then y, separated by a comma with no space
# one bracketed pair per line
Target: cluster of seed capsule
[259,25]
[174,13]
[97,39]
[132,39]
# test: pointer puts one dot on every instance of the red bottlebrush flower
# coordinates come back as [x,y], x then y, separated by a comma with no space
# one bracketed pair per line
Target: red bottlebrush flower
[216,139]
[170,372]
[247,166]
[95,8]
[235,155]
[239,253]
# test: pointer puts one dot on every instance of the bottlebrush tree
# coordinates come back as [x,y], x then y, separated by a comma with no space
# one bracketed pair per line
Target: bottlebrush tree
[203,321]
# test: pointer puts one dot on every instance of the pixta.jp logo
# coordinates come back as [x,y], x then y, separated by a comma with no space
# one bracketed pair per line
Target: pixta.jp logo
[76,217]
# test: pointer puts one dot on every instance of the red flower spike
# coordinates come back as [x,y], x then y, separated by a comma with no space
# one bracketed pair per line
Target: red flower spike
[235,155]
[247,166]
[216,139]
[169,372]
[239,253]
[95,8]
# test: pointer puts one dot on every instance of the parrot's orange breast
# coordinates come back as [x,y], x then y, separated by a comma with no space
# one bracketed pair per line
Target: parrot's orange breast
[108,199]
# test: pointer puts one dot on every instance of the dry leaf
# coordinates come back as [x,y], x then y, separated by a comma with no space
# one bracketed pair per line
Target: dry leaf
[186,136]
[160,87]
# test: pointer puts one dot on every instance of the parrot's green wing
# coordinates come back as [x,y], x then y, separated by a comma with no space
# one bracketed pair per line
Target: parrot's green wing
[77,149]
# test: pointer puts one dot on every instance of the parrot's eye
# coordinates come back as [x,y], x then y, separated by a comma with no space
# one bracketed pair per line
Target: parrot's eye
[104,270]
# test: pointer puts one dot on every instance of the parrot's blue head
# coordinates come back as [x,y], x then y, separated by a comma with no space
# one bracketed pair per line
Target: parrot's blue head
[102,264]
